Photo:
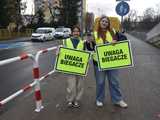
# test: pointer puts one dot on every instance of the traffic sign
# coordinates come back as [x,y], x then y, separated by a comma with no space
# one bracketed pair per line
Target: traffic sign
[122,0]
[122,8]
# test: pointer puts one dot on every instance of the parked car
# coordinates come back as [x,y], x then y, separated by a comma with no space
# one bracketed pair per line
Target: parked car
[43,34]
[62,33]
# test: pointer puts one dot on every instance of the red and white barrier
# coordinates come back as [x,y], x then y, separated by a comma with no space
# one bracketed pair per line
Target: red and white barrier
[37,88]
[28,87]
[11,60]
[47,75]
[36,75]
[24,89]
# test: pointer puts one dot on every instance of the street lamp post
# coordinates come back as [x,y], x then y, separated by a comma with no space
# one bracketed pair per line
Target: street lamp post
[82,17]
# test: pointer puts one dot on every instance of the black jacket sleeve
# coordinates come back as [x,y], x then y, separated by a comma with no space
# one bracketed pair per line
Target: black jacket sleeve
[90,46]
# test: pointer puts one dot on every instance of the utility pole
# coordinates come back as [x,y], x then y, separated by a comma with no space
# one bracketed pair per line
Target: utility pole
[18,14]
[82,15]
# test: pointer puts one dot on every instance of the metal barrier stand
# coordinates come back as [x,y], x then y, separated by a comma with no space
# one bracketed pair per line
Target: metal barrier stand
[36,75]
[11,60]
[37,79]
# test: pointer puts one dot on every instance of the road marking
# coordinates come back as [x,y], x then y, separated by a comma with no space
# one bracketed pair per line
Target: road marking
[11,45]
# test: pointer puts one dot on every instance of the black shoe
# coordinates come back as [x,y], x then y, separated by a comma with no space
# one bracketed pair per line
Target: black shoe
[76,104]
[70,104]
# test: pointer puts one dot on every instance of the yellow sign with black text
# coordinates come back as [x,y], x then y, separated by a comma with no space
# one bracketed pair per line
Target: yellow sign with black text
[114,56]
[72,61]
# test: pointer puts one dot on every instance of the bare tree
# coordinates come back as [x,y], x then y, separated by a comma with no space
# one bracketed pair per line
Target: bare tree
[157,12]
[148,20]
[148,17]
[133,15]
[130,22]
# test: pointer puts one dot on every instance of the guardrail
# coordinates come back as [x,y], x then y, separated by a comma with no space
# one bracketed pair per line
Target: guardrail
[36,75]
[36,78]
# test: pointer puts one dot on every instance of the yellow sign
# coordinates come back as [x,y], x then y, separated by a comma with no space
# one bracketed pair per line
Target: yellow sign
[72,61]
[114,56]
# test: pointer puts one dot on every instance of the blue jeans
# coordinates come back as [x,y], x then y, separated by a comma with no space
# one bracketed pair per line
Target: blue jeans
[113,81]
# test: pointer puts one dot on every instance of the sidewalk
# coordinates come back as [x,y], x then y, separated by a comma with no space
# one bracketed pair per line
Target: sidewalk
[20,39]
[140,87]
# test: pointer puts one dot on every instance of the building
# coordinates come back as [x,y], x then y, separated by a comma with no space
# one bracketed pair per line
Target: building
[49,7]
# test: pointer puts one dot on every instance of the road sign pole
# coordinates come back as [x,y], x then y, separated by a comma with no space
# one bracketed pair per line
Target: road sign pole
[122,9]
[122,22]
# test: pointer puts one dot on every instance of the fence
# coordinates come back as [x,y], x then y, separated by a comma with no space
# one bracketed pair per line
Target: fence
[36,76]
[5,34]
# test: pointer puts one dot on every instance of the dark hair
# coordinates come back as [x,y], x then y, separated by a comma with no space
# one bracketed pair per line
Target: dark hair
[76,26]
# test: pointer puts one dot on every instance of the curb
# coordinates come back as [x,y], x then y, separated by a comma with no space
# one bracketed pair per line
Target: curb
[21,39]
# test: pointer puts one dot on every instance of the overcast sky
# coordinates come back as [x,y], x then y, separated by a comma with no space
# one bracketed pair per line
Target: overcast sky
[107,7]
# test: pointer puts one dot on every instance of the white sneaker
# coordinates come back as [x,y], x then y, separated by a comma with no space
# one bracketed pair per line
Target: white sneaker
[121,104]
[99,104]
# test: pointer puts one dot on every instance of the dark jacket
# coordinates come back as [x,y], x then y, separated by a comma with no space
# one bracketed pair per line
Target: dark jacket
[120,36]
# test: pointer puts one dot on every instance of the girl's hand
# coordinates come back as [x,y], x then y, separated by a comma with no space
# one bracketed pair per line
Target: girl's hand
[90,39]
[114,42]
